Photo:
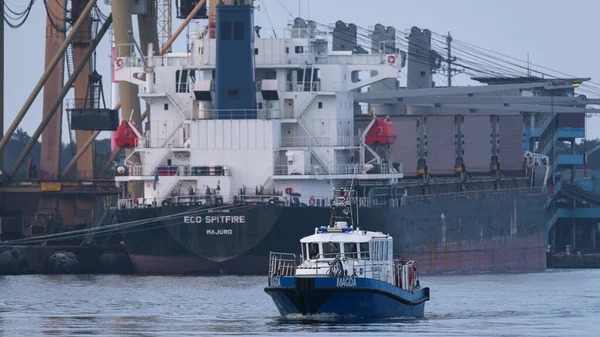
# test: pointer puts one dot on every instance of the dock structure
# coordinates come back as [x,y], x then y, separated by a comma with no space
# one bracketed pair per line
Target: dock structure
[51,196]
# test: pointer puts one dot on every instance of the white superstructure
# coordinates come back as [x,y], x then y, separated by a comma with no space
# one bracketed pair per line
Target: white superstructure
[302,140]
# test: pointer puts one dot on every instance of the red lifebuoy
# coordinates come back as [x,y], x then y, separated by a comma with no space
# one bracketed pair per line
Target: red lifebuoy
[119,62]
[391,59]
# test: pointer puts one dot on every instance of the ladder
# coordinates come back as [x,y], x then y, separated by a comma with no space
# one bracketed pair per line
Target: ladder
[178,106]
[314,141]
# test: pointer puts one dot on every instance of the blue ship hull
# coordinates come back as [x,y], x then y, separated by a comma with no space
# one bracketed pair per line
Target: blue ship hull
[346,296]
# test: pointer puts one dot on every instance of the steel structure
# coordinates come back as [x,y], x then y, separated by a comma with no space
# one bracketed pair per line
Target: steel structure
[164,21]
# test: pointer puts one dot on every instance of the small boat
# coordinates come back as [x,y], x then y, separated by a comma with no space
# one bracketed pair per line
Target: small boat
[345,271]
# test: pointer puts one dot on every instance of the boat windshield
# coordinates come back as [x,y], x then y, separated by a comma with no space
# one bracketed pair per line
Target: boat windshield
[313,250]
[350,250]
[331,249]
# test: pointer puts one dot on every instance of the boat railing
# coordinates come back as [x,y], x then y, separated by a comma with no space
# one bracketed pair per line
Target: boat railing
[355,264]
[282,264]
[405,272]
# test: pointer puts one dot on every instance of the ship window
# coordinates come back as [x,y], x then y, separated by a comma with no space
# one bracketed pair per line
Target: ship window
[255,51]
[384,251]
[364,250]
[305,251]
[313,250]
[225,33]
[350,250]
[331,249]
[320,105]
[238,30]
[299,50]
[166,106]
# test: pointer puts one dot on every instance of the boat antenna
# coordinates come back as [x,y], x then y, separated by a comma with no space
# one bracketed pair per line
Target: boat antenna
[350,199]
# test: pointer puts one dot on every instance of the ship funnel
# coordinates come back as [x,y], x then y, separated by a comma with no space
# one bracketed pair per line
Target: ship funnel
[235,93]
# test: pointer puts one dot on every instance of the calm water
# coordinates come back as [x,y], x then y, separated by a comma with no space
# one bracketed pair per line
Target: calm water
[554,303]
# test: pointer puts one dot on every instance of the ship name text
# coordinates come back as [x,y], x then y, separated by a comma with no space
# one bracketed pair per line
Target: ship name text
[214,219]
[346,282]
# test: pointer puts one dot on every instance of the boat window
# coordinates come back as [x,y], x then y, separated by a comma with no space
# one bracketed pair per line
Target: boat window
[305,251]
[350,250]
[384,251]
[364,250]
[313,250]
[331,249]
[379,250]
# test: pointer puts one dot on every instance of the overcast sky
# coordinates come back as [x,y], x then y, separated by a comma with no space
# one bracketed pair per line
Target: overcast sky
[556,35]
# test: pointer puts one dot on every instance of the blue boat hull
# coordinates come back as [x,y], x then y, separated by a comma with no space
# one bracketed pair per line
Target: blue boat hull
[357,297]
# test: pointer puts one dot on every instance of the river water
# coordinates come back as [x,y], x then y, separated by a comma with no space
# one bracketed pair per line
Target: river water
[552,303]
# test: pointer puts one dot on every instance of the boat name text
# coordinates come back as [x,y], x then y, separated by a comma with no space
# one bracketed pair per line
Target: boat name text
[215,219]
[346,282]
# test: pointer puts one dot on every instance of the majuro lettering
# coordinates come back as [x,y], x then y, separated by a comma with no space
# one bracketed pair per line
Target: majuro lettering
[216,219]
[219,232]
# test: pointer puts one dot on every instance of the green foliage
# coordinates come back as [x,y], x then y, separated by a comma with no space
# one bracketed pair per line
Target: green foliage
[19,140]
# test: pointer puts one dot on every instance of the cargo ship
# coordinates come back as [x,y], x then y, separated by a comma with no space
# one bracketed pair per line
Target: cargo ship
[248,136]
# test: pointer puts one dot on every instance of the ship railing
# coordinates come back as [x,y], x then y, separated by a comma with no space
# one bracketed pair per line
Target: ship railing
[282,264]
[173,142]
[317,141]
[186,88]
[136,60]
[190,199]
[70,176]
[411,200]
[239,114]
[369,264]
[355,59]
[341,169]
[306,33]
[311,86]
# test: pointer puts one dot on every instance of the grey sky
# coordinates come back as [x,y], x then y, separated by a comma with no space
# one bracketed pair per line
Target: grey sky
[556,35]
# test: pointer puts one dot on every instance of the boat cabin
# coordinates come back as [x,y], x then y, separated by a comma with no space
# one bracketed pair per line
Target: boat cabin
[341,251]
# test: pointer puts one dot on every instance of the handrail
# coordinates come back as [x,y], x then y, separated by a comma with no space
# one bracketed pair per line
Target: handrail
[412,200]
[399,272]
